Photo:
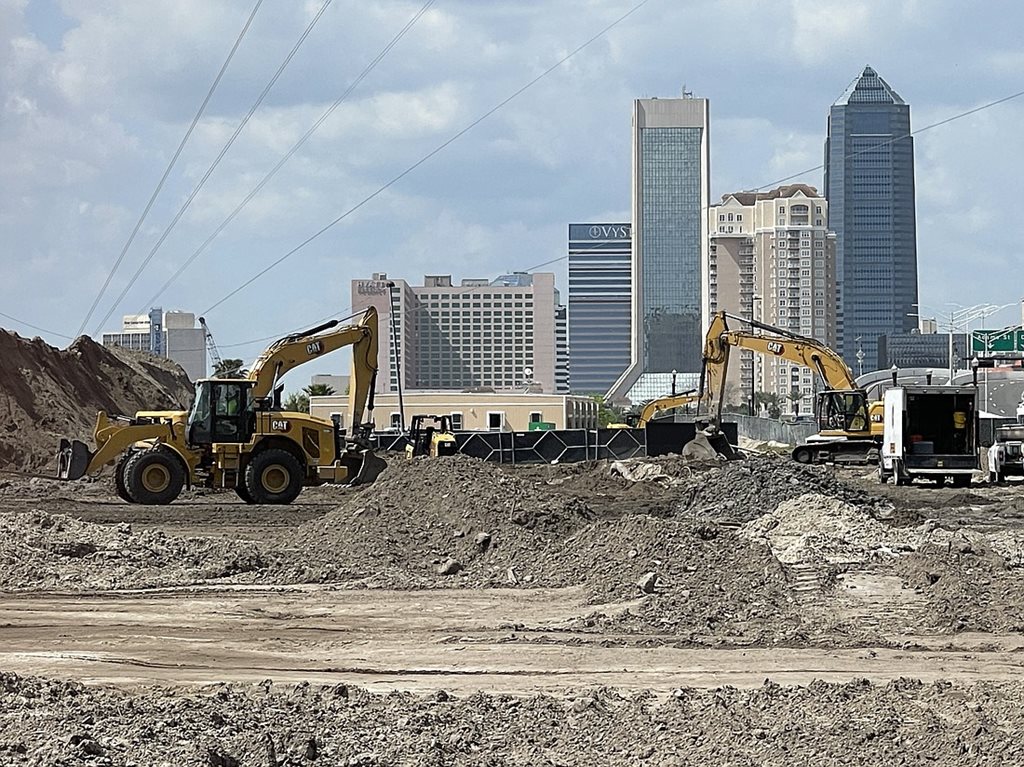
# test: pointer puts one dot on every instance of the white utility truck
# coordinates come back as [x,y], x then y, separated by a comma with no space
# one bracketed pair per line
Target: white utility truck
[930,432]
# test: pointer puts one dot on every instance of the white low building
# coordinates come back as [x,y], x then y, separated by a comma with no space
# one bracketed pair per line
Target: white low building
[471,411]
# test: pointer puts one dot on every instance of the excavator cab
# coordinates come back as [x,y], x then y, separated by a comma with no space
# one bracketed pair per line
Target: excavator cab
[844,411]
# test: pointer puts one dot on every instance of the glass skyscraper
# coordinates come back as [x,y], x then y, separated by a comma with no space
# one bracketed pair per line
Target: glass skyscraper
[671,193]
[600,314]
[869,183]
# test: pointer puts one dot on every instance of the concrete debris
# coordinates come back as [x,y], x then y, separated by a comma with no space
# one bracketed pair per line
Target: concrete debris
[449,567]
[648,581]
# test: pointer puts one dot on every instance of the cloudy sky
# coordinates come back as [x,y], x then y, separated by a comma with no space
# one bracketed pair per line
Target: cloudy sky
[96,95]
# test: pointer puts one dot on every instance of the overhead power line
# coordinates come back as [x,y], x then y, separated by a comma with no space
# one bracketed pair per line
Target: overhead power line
[295,148]
[36,327]
[170,165]
[430,154]
[220,156]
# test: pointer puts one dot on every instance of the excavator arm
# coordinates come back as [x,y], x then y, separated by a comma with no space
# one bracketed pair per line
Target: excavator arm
[291,351]
[670,402]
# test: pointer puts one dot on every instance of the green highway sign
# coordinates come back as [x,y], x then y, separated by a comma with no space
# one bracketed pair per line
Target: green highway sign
[996,341]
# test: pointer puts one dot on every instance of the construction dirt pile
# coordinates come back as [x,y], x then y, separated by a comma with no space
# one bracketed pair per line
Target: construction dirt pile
[47,393]
[438,521]
[696,582]
[968,585]
[740,491]
[815,528]
[40,551]
[905,722]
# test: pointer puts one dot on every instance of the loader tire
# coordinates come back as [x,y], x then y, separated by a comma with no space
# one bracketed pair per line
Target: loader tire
[243,493]
[154,477]
[273,476]
[119,477]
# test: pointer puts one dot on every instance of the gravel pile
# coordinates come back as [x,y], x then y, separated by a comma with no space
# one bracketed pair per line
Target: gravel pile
[40,551]
[47,723]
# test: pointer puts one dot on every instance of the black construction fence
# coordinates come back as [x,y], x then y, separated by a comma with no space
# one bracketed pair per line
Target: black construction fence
[567,445]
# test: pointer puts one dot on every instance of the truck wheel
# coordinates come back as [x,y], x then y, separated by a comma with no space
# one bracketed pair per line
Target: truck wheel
[154,477]
[940,481]
[242,492]
[273,476]
[119,477]
[883,478]
[961,480]
[803,455]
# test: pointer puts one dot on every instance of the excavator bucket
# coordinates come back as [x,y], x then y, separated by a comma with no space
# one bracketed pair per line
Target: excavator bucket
[369,469]
[709,443]
[73,458]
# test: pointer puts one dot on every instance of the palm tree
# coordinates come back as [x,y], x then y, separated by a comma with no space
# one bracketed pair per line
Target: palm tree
[319,390]
[230,368]
[296,402]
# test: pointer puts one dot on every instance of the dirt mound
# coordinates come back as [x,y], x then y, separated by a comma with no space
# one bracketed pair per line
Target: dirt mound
[739,491]
[904,722]
[40,551]
[967,586]
[455,513]
[693,581]
[46,393]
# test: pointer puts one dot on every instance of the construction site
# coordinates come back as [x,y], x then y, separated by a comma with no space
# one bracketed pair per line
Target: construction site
[668,611]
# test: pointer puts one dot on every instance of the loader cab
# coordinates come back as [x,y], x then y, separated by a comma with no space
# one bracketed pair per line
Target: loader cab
[222,412]
[843,411]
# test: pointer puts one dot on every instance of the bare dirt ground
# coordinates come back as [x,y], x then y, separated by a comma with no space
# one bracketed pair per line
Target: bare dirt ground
[455,612]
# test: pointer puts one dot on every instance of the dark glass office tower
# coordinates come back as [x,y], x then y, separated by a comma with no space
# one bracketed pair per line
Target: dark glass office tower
[869,183]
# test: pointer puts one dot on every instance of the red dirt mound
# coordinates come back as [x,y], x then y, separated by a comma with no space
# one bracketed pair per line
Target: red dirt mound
[46,393]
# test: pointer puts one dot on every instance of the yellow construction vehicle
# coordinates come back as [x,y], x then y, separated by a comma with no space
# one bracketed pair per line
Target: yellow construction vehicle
[236,435]
[639,418]
[850,428]
[431,435]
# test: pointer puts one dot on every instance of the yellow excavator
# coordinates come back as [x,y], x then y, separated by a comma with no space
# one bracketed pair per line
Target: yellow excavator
[850,428]
[237,436]
[639,418]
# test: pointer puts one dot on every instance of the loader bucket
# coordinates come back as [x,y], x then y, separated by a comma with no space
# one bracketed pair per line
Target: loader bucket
[73,458]
[370,468]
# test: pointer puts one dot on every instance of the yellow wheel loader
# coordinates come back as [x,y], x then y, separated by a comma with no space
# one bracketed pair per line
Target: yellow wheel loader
[237,436]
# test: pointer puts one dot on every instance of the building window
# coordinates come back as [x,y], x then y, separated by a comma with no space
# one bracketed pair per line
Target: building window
[536,417]
[730,216]
[396,420]
[495,420]
[456,421]
[739,216]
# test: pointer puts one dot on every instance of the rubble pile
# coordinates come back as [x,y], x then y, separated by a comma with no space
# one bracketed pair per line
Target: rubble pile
[40,551]
[857,723]
[47,393]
